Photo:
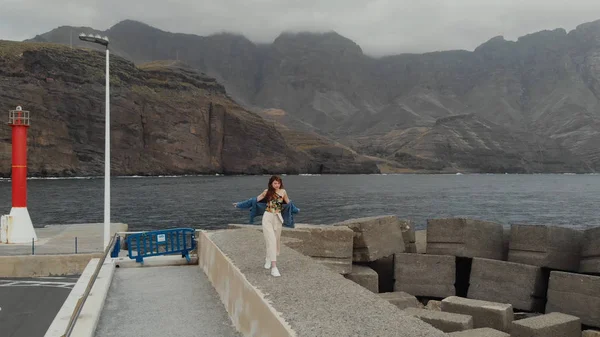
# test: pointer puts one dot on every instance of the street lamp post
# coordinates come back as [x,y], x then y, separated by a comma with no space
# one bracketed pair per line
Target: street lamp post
[104,41]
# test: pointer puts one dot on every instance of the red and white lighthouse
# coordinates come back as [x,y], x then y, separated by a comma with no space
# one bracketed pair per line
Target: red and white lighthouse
[20,228]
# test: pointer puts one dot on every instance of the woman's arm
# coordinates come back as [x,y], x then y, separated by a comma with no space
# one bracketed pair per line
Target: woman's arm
[285,197]
[261,196]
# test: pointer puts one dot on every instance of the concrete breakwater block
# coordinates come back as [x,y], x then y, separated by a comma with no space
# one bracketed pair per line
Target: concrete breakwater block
[465,238]
[523,286]
[505,243]
[434,305]
[481,332]
[590,333]
[549,325]
[408,234]
[375,237]
[364,276]
[400,299]
[330,245]
[485,314]
[522,315]
[445,321]
[590,251]
[421,241]
[553,247]
[575,294]
[425,275]
[385,272]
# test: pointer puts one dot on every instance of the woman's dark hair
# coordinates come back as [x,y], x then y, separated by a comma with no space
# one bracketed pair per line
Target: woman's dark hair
[271,191]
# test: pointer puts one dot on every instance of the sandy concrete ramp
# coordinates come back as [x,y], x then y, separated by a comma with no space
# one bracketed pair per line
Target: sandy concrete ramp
[174,301]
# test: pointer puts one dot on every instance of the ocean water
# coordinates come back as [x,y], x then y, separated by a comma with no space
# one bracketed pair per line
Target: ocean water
[206,201]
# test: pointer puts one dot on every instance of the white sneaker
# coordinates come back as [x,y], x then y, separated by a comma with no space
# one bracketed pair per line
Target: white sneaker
[267,264]
[275,272]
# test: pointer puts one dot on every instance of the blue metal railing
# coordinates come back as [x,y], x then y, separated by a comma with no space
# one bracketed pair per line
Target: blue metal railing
[117,248]
[160,242]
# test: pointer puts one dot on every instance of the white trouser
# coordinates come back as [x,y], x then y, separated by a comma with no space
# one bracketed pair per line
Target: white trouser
[271,226]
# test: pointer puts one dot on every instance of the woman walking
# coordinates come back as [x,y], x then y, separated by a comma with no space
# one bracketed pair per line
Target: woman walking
[272,221]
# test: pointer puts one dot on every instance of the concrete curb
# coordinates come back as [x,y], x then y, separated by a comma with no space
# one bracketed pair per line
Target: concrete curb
[61,321]
[248,309]
[92,309]
[44,265]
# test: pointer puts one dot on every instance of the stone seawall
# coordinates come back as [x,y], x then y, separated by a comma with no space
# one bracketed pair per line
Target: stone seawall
[44,265]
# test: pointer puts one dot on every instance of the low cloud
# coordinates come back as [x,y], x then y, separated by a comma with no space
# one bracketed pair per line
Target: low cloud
[380,27]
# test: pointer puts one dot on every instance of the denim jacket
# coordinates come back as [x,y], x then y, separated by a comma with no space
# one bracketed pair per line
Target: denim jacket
[257,208]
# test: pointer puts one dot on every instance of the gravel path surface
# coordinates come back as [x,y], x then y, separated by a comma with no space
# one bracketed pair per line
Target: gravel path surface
[174,301]
[312,299]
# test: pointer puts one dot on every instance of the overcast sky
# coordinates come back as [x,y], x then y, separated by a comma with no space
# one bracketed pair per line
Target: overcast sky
[380,27]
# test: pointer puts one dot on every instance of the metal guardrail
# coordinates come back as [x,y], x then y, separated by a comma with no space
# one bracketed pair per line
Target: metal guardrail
[161,242]
[18,117]
[83,298]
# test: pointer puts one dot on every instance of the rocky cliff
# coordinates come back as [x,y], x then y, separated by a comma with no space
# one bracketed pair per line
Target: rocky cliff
[166,118]
[469,143]
[545,85]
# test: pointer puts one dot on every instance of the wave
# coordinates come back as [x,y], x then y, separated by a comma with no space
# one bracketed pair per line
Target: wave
[118,177]
[60,178]
[53,178]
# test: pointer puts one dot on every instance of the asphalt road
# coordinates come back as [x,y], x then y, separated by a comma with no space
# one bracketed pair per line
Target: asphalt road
[28,305]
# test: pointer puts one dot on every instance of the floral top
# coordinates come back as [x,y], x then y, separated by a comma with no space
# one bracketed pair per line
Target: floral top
[275,205]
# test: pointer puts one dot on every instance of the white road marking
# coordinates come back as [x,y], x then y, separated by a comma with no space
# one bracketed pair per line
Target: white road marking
[14,283]
[54,277]
[7,284]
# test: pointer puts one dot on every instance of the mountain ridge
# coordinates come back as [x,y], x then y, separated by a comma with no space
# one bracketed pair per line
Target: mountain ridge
[545,83]
[166,119]
[128,23]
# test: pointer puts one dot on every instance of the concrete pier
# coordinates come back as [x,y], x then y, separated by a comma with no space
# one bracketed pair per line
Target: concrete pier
[60,239]
[309,299]
[229,293]
[163,301]
[54,253]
